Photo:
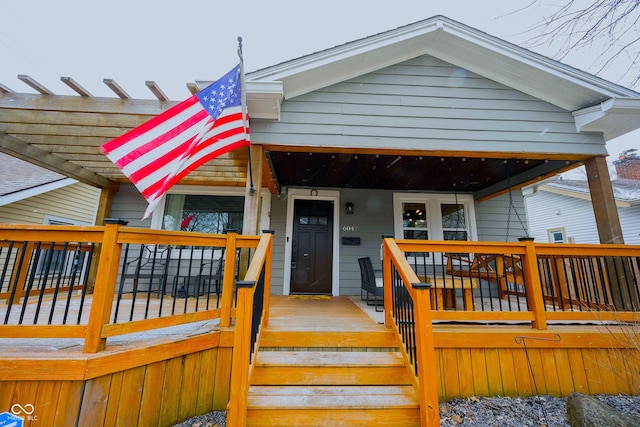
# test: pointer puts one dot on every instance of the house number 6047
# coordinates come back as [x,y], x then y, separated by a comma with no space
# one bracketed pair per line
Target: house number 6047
[349,228]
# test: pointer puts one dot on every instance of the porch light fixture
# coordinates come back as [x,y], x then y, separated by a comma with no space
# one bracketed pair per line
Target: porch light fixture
[349,208]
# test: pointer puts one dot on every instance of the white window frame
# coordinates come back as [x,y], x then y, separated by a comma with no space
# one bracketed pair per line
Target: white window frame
[58,220]
[434,212]
[550,232]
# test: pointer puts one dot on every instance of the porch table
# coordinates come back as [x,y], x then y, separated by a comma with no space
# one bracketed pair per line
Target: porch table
[444,287]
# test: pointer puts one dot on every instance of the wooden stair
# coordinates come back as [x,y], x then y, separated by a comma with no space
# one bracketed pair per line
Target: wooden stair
[350,378]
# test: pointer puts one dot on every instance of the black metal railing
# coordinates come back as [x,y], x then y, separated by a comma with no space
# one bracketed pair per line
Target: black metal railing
[162,280]
[404,316]
[590,283]
[38,280]
[489,278]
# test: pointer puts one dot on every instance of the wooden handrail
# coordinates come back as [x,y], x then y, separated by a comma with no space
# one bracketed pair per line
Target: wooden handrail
[426,373]
[242,363]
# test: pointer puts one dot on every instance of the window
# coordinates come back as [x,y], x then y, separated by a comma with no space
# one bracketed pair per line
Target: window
[433,216]
[454,223]
[207,209]
[556,235]
[203,213]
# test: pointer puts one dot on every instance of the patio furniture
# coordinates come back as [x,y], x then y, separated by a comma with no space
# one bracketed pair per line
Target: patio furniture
[370,285]
[444,288]
[151,266]
[209,273]
[505,270]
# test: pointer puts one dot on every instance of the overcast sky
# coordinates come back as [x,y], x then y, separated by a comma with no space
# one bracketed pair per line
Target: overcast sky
[177,42]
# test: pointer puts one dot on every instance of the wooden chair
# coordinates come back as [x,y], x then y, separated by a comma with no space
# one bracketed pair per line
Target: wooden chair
[209,274]
[505,270]
[370,285]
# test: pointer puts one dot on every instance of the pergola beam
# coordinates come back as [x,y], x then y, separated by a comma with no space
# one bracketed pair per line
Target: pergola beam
[115,87]
[155,89]
[23,150]
[5,89]
[76,86]
[193,88]
[29,81]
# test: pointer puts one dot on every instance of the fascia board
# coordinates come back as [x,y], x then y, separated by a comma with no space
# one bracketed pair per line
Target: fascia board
[35,191]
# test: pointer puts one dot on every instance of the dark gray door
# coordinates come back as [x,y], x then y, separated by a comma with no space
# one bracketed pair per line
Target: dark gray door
[311,250]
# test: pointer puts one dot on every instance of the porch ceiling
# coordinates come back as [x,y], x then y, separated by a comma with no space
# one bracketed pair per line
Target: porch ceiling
[481,176]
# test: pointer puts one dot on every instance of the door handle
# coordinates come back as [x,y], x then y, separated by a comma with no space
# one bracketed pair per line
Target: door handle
[305,254]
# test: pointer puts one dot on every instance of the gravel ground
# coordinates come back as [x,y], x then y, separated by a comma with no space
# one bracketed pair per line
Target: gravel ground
[488,412]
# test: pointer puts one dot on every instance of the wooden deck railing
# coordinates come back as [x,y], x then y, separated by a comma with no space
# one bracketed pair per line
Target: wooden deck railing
[252,314]
[407,305]
[490,282]
[44,279]
[525,282]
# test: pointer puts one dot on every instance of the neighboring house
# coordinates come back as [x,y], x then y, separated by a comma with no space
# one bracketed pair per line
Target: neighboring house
[30,194]
[560,210]
[425,131]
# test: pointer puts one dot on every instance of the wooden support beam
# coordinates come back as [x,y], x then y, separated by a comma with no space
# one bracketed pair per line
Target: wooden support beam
[22,150]
[34,84]
[155,89]
[115,87]
[5,89]
[251,218]
[75,86]
[193,88]
[603,201]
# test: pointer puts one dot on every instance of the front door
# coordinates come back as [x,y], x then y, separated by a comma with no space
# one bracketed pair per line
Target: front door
[311,249]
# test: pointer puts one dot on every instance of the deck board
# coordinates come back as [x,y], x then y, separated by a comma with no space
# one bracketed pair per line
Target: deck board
[334,314]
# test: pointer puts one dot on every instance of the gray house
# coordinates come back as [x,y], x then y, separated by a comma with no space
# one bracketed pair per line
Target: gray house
[425,131]
[561,210]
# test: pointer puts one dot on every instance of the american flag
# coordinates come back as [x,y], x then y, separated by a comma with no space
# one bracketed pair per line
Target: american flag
[159,153]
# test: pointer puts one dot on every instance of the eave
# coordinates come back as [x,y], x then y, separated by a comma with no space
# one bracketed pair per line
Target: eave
[613,118]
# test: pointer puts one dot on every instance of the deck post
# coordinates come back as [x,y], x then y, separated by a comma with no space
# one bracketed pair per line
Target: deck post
[426,357]
[387,283]
[104,289]
[603,201]
[267,279]
[239,388]
[228,280]
[535,299]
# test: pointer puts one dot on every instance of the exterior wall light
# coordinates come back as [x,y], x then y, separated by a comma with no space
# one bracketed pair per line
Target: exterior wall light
[349,208]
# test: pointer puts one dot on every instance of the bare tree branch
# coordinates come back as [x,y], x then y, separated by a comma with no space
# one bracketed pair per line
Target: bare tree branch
[610,26]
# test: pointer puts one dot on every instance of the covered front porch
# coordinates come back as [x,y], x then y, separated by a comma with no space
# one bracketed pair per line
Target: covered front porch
[570,327]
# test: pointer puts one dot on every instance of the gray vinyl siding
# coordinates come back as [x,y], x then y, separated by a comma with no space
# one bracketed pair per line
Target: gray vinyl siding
[278,225]
[426,104]
[77,203]
[493,215]
[129,205]
[373,217]
[548,210]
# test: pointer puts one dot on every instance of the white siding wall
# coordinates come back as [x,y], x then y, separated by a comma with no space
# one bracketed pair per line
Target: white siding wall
[548,210]
[77,202]
[425,104]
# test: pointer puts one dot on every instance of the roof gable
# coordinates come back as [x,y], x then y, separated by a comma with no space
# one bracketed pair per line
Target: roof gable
[468,48]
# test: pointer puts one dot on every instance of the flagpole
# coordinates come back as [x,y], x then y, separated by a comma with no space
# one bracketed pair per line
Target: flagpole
[243,96]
